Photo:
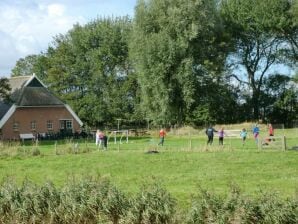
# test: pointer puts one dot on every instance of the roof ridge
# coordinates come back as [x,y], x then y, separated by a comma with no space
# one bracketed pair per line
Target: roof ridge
[20,76]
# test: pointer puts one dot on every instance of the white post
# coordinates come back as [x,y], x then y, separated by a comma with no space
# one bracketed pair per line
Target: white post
[118,123]
[115,137]
[284,147]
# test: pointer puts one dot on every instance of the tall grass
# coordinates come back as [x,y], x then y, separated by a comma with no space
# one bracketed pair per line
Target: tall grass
[97,200]
[265,208]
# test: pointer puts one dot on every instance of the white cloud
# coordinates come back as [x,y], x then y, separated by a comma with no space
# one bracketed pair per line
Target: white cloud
[7,53]
[55,10]
[28,26]
[29,30]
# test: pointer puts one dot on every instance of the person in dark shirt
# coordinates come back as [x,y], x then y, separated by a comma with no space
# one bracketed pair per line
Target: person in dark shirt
[210,133]
[105,142]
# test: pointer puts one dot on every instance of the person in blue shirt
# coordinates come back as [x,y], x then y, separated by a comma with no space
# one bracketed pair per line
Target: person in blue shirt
[256,132]
[243,135]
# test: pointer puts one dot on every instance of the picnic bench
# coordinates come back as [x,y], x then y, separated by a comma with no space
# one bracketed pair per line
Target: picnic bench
[27,136]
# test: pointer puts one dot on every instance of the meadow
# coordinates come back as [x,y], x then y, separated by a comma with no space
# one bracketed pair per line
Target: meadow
[183,165]
[184,181]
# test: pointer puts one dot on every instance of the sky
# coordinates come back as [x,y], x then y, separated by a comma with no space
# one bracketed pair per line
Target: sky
[28,26]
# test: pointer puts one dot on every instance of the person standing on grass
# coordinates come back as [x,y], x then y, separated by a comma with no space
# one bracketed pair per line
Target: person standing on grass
[162,135]
[256,132]
[271,131]
[243,135]
[210,133]
[221,135]
[97,138]
[104,141]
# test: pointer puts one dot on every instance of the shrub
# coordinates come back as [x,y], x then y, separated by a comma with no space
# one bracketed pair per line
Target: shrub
[267,208]
[92,200]
[152,205]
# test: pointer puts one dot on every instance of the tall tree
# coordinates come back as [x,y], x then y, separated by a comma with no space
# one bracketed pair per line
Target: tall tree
[291,33]
[31,64]
[4,89]
[280,100]
[89,68]
[255,26]
[174,44]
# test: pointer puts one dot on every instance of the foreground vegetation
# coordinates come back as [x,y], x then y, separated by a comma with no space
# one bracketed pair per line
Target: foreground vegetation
[99,201]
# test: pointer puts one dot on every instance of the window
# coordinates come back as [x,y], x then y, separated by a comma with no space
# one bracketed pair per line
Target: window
[16,126]
[61,124]
[33,125]
[50,125]
[66,124]
[69,124]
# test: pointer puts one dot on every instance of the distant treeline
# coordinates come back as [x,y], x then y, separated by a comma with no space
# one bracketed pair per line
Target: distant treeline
[178,62]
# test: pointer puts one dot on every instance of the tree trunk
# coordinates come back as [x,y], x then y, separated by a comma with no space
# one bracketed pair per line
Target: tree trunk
[255,104]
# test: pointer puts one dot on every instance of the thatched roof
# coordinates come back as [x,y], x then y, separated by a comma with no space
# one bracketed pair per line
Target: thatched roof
[37,96]
[29,91]
[18,82]
[4,107]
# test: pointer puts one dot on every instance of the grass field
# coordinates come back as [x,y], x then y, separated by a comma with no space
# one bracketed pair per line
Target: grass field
[183,164]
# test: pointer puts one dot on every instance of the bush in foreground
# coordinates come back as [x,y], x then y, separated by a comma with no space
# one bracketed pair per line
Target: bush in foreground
[99,201]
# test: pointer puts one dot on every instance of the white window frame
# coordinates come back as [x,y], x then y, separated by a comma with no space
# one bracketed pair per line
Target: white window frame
[16,126]
[33,125]
[50,125]
[67,122]
[69,125]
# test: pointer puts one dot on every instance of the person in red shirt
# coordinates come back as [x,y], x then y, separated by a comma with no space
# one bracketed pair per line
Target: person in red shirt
[162,135]
[271,131]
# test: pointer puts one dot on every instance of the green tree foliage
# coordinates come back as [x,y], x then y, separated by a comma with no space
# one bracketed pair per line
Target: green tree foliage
[31,64]
[291,33]
[176,63]
[256,28]
[4,89]
[279,100]
[89,68]
[176,48]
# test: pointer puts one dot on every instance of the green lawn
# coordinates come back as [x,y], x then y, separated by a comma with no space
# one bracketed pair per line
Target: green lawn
[182,165]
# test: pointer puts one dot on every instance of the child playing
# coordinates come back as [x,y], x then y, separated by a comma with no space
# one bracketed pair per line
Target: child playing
[256,132]
[221,134]
[243,135]
[162,135]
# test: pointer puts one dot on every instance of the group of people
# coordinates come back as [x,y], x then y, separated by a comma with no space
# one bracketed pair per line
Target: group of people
[243,134]
[101,139]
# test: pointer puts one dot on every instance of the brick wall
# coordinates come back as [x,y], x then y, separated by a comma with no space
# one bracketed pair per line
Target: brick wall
[40,115]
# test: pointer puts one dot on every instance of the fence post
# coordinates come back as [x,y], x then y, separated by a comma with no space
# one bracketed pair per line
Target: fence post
[284,145]
[190,143]
[56,148]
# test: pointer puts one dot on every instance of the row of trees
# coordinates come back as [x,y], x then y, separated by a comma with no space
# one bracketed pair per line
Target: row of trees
[178,61]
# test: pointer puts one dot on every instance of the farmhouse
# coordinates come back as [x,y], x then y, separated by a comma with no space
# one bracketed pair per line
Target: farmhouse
[34,110]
